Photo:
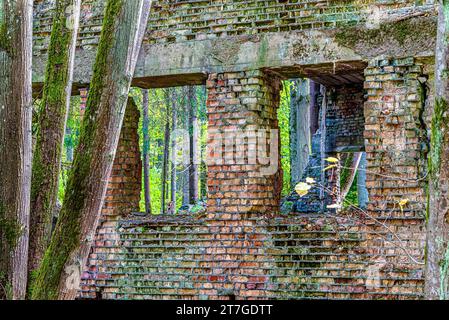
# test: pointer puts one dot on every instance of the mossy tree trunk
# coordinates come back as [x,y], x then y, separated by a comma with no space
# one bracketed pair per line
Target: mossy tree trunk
[15,143]
[437,251]
[53,113]
[123,29]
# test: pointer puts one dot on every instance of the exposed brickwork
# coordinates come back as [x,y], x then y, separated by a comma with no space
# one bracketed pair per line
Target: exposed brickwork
[241,249]
[122,195]
[288,257]
[244,172]
[178,21]
[396,155]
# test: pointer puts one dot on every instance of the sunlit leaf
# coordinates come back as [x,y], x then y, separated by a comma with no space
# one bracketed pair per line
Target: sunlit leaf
[334,206]
[302,189]
[332,160]
[310,180]
[330,167]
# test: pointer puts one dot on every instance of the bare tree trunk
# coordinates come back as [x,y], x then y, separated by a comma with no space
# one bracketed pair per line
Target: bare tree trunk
[146,152]
[193,124]
[167,93]
[124,26]
[323,144]
[300,138]
[437,264]
[15,144]
[173,153]
[55,106]
[351,174]
[314,108]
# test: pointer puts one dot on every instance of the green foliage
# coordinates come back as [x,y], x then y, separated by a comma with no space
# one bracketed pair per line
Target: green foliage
[284,127]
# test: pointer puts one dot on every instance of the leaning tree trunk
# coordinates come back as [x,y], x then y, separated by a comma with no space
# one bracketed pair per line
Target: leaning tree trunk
[146,151]
[437,264]
[53,114]
[193,124]
[124,26]
[349,174]
[15,143]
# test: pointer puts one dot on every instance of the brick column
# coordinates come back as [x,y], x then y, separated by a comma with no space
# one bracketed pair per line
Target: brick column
[244,172]
[395,135]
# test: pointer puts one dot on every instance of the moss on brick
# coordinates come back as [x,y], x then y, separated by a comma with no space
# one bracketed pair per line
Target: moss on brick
[401,31]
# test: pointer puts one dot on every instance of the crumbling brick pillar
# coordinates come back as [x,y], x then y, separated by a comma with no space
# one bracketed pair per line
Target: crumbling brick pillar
[395,136]
[124,187]
[244,181]
[396,147]
[122,197]
[244,172]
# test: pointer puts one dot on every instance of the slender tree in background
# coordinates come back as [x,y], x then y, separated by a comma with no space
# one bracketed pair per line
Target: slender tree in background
[15,144]
[146,151]
[300,138]
[351,174]
[437,264]
[124,25]
[186,169]
[167,94]
[194,141]
[314,107]
[53,114]
[174,104]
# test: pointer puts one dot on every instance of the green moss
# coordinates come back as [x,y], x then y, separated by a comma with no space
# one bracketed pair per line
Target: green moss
[10,229]
[67,234]
[400,31]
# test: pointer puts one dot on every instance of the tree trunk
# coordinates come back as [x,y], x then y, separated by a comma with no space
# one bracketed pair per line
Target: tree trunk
[193,124]
[55,106]
[350,174]
[123,29]
[174,152]
[299,129]
[146,152]
[437,264]
[167,93]
[323,144]
[362,191]
[314,107]
[15,144]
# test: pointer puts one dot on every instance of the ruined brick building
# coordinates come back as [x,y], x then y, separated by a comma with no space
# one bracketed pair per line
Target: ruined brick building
[375,58]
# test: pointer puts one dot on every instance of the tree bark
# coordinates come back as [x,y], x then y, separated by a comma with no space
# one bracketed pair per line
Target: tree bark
[193,124]
[300,138]
[437,262]
[55,106]
[146,152]
[123,29]
[15,143]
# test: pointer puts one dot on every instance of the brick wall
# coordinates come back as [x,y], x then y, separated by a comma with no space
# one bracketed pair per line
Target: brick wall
[284,257]
[180,21]
[242,248]
[243,162]
[396,145]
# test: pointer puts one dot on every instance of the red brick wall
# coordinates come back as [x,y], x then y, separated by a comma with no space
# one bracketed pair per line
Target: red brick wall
[242,113]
